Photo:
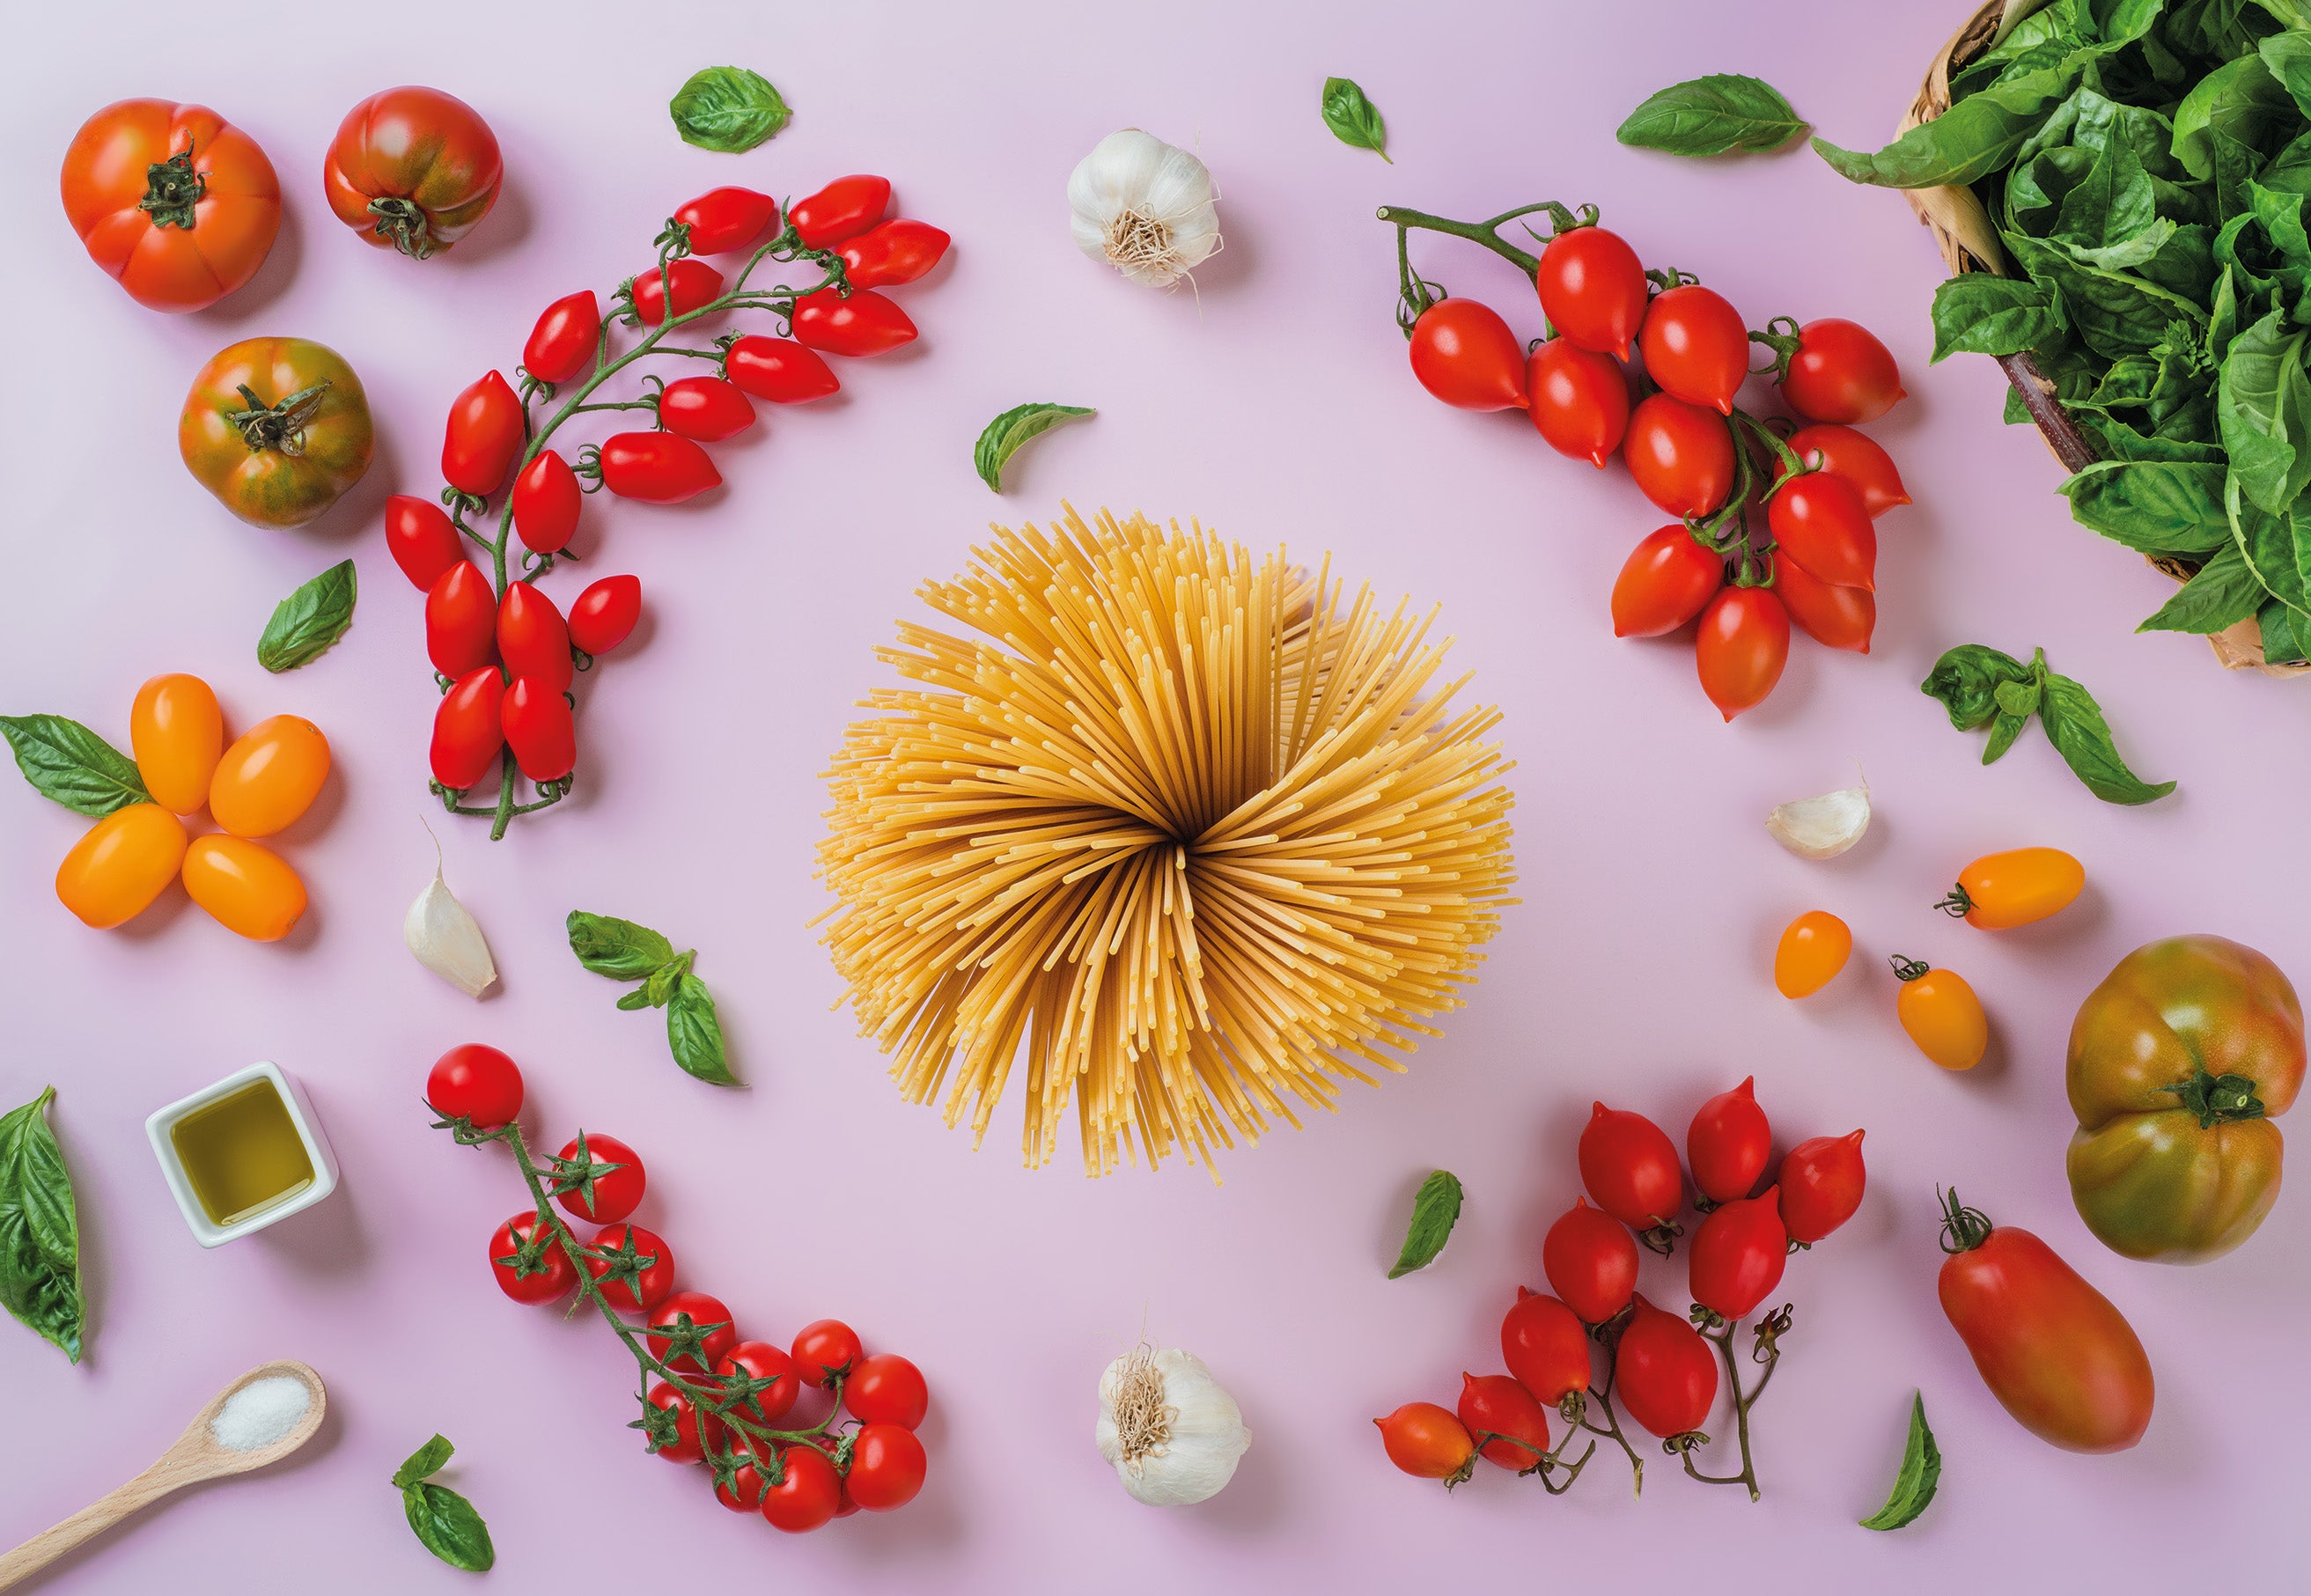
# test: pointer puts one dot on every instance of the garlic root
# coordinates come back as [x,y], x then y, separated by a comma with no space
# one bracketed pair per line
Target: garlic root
[1173,1435]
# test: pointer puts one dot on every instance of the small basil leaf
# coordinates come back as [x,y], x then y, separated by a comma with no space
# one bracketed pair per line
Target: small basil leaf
[2016,698]
[39,1229]
[2220,594]
[310,621]
[447,1525]
[2074,724]
[658,991]
[2004,730]
[427,1459]
[1016,426]
[1966,680]
[727,108]
[1353,118]
[1921,1474]
[614,947]
[695,1035]
[67,762]
[1975,313]
[1713,116]
[1435,1209]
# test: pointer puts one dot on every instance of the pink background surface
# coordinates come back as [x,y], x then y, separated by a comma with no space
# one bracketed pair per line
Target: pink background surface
[1277,406]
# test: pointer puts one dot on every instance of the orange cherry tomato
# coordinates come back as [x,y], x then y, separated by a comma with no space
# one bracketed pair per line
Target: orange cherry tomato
[1941,1013]
[115,872]
[177,732]
[269,777]
[2000,891]
[250,889]
[174,202]
[1813,949]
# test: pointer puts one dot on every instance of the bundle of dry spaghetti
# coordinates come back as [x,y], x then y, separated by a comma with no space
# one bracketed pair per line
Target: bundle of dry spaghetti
[1189,844]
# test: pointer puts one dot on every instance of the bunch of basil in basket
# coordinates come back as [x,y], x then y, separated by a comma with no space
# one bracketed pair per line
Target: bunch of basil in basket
[2144,164]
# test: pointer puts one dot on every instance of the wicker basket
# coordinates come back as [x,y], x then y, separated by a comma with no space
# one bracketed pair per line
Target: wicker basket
[1968,241]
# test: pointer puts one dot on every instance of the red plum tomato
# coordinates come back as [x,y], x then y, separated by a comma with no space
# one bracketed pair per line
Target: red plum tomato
[1696,347]
[1664,583]
[1464,354]
[1592,289]
[1728,1143]
[605,613]
[1629,1166]
[1590,1259]
[1579,400]
[1496,1404]
[1821,1182]
[1743,644]
[1546,1346]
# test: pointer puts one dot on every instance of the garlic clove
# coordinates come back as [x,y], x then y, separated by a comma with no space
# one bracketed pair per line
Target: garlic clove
[1821,827]
[447,939]
[1173,1435]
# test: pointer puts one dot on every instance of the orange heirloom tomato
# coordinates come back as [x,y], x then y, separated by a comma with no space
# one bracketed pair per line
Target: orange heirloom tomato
[413,169]
[1812,951]
[277,429]
[247,886]
[177,732]
[173,201]
[269,777]
[115,872]
[2001,890]
[1941,1013]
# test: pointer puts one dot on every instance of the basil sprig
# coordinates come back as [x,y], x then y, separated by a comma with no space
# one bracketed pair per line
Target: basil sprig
[1980,687]
[625,951]
[1435,1209]
[730,109]
[443,1522]
[1717,115]
[306,623]
[65,761]
[1016,426]
[39,1229]
[1353,118]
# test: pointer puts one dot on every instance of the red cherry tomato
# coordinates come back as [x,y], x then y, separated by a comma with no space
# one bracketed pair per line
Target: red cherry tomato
[1426,1442]
[1544,1344]
[529,1264]
[422,538]
[546,499]
[599,1178]
[886,1468]
[886,1389]
[539,729]
[468,729]
[1835,617]
[1728,1143]
[1841,373]
[461,620]
[1737,1254]
[564,342]
[1464,354]
[1630,1168]
[897,251]
[1579,400]
[1856,457]
[826,1348]
[722,220]
[697,1311]
[759,1360]
[1664,1372]
[843,209]
[695,285]
[778,370]
[1819,521]
[656,467]
[484,435]
[534,642]
[864,324]
[1821,1180]
[706,408]
[1499,1404]
[1590,1260]
[1743,644]
[413,169]
[686,1446]
[1666,580]
[605,614]
[805,1493]
[1592,289]
[1681,456]
[1696,347]
[474,1082]
[741,1492]
[641,1284]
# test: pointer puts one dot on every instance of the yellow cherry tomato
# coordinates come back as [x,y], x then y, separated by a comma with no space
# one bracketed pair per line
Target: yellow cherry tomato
[1812,951]
[177,732]
[115,871]
[2000,891]
[1941,1013]
[246,886]
[269,777]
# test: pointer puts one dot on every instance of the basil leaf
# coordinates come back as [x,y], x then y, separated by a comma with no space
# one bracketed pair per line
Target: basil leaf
[2153,507]
[310,621]
[2220,594]
[70,763]
[2282,633]
[1966,679]
[1007,431]
[2269,543]
[2074,724]
[447,1525]
[1713,116]
[1979,314]
[614,947]
[427,1459]
[1352,118]
[1435,1209]
[1921,1474]
[1971,140]
[2239,101]
[39,1229]
[727,108]
[638,999]
[2004,730]
[658,991]
[2287,58]
[2262,401]
[695,1035]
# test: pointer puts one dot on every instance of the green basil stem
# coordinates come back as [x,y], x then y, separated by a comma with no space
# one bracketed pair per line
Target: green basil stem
[1767,1352]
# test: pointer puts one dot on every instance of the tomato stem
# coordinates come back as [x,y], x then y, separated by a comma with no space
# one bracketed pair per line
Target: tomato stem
[1963,1229]
[402,220]
[173,191]
[1957,904]
[1766,1351]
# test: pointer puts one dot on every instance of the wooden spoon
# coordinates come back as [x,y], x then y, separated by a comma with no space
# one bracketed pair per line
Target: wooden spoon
[197,1455]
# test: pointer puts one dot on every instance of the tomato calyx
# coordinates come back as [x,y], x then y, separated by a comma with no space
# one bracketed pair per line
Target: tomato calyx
[529,1257]
[1907,969]
[2218,1099]
[579,1173]
[172,189]
[279,426]
[404,223]
[1783,346]
[1963,1229]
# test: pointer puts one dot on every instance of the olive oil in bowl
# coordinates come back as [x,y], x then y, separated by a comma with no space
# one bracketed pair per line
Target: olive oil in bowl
[241,1153]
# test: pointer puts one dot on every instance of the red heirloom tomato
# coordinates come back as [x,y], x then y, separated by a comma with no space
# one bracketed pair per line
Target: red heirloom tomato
[706,408]
[484,435]
[546,499]
[805,1493]
[1425,1441]
[1737,1254]
[695,285]
[864,324]
[474,1082]
[468,728]
[423,540]
[1590,1260]
[1728,1143]
[1664,1372]
[886,1389]
[843,209]
[1464,354]
[461,620]
[562,342]
[1743,644]
[1499,1404]
[605,614]
[722,220]
[1834,617]
[175,203]
[534,642]
[897,251]
[2051,1347]
[1840,373]
[686,1446]
[413,169]
[759,1360]
[886,1468]
[1681,456]
[1664,583]
[1579,400]
[1696,347]
[656,467]
[1819,521]
[778,370]
[599,1178]
[1630,1168]
[1821,1182]
[824,1348]
[539,1278]
[1546,1346]
[1856,458]
[277,428]
[700,1310]
[652,1274]
[539,729]
[1592,289]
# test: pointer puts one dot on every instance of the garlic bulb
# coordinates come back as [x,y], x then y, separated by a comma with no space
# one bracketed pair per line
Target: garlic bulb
[446,938]
[1144,207]
[1822,827]
[1171,1432]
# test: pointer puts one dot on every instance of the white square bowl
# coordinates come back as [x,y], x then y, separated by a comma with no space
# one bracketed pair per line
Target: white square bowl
[309,1131]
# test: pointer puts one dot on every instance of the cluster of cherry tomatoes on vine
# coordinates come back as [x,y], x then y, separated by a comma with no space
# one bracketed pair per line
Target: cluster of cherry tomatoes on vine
[1688,447]
[1660,1366]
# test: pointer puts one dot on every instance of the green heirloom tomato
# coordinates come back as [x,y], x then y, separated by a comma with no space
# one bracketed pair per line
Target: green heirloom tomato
[277,429]
[2178,1062]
